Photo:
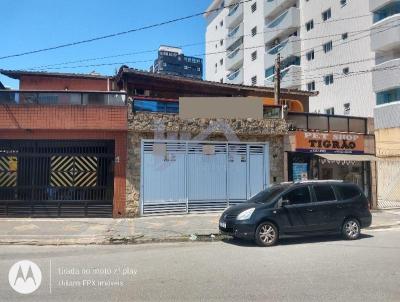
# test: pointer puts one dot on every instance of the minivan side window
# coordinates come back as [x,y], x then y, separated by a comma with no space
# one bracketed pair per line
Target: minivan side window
[324,193]
[348,192]
[298,196]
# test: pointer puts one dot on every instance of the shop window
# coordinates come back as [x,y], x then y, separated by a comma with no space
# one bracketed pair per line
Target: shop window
[324,193]
[298,196]
[348,192]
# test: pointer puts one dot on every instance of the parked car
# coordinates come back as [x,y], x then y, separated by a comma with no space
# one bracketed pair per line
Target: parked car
[299,208]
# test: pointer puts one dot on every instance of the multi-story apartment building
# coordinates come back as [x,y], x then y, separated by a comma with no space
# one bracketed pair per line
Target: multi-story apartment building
[324,46]
[385,42]
[172,61]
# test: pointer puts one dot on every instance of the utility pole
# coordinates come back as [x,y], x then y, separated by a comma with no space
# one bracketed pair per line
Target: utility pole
[277,81]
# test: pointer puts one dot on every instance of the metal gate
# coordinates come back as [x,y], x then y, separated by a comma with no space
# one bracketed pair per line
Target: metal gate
[56,178]
[188,176]
[388,180]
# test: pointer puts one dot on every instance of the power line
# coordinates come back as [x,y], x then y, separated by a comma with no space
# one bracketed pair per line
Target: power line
[119,33]
[224,51]
[212,41]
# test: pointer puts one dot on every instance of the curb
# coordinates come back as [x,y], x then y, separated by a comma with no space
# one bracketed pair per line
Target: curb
[141,239]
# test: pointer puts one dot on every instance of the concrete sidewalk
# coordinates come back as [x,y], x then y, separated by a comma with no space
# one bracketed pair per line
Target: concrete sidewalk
[130,231]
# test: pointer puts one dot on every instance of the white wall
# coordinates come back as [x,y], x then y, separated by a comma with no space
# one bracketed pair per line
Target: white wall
[356,89]
[215,51]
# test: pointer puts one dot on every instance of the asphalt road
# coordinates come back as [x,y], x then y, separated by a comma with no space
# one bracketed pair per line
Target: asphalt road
[312,269]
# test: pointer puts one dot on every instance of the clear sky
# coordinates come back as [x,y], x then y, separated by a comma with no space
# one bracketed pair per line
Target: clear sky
[33,24]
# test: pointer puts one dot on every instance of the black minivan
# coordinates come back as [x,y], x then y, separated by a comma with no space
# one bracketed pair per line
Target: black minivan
[299,208]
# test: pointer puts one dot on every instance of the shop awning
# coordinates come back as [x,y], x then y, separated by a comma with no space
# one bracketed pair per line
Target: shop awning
[348,157]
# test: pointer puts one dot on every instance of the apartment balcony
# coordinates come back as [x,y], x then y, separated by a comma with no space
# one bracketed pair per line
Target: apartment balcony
[230,2]
[274,7]
[234,59]
[304,121]
[289,47]
[385,34]
[234,34]
[285,24]
[290,77]
[235,77]
[235,15]
[377,4]
[62,110]
[387,116]
[386,76]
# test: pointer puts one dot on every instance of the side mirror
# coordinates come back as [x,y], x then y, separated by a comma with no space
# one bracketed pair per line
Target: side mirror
[285,203]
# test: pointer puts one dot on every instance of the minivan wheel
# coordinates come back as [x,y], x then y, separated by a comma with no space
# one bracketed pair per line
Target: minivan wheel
[351,229]
[266,234]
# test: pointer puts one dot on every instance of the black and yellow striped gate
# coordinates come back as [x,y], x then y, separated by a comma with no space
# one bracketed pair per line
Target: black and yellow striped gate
[56,178]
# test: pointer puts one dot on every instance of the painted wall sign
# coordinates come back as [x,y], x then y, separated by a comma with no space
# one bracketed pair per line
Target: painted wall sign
[317,142]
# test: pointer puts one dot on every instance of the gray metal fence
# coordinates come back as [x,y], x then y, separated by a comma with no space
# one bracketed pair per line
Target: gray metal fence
[388,178]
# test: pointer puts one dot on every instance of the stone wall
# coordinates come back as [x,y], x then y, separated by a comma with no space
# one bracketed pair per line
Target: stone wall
[169,126]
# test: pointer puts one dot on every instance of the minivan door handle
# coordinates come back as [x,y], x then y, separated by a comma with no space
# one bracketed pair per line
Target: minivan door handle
[310,210]
[339,207]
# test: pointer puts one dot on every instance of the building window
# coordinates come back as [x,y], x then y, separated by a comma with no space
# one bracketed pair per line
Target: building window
[388,96]
[254,7]
[310,25]
[221,62]
[346,108]
[326,15]
[254,80]
[310,55]
[221,80]
[346,70]
[343,2]
[221,23]
[216,68]
[327,46]
[254,55]
[254,31]
[221,42]
[345,36]
[311,86]
[330,111]
[328,79]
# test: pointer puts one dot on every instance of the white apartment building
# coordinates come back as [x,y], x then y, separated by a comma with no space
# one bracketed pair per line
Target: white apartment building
[325,45]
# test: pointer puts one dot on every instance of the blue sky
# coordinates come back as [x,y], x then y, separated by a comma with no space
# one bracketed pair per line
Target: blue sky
[28,25]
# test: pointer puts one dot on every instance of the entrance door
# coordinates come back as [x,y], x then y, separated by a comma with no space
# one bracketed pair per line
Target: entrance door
[56,178]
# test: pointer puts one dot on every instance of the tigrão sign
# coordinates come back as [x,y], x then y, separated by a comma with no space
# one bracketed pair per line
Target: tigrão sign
[318,142]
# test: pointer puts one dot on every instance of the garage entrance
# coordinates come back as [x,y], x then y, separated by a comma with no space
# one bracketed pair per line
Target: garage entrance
[56,178]
[187,176]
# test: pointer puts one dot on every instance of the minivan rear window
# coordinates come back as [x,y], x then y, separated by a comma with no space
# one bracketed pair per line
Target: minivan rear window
[348,192]
[324,193]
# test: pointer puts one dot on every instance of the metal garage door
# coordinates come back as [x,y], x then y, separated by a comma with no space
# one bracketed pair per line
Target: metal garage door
[56,178]
[388,180]
[187,176]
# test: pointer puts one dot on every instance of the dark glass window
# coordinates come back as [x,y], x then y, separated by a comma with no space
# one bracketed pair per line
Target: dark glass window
[324,193]
[348,192]
[155,106]
[298,196]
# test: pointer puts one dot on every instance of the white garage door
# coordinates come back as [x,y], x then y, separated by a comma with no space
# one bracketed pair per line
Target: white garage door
[187,176]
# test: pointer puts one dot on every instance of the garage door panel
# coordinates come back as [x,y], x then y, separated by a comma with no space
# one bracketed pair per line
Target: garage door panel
[57,178]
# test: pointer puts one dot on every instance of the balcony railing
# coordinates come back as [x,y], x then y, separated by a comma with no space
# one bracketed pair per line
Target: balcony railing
[326,123]
[19,97]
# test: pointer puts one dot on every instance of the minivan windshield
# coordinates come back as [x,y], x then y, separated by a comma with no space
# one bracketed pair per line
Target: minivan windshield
[268,195]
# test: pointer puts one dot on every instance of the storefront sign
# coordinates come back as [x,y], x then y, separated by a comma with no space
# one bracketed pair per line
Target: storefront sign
[317,142]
